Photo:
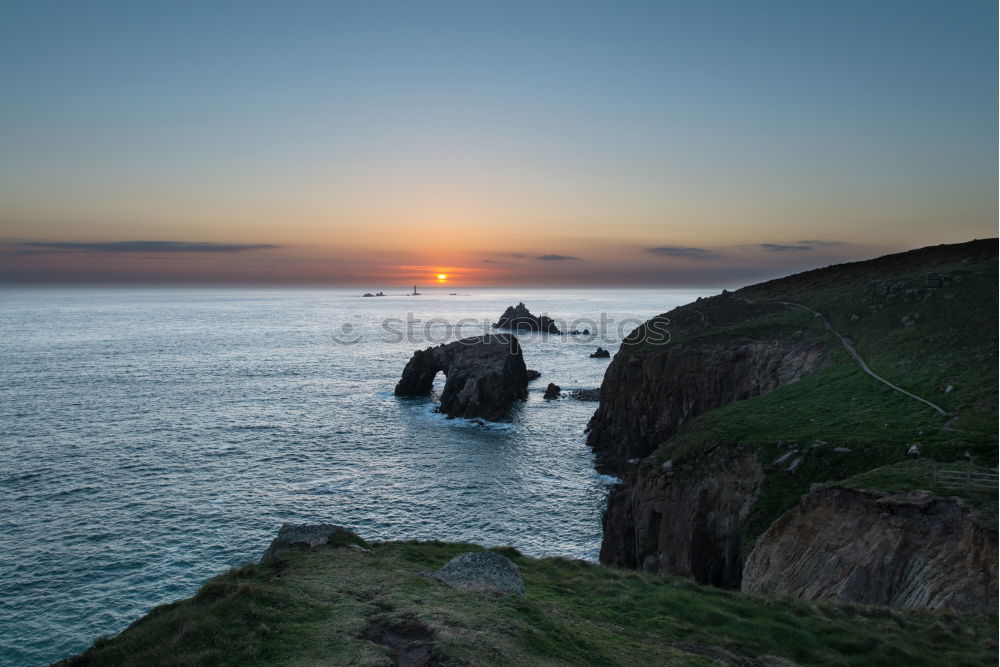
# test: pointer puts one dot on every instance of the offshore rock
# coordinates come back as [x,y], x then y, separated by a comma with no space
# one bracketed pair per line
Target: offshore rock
[518,318]
[909,550]
[552,391]
[485,376]
[587,395]
[601,353]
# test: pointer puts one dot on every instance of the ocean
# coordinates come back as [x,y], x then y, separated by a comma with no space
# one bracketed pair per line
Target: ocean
[151,438]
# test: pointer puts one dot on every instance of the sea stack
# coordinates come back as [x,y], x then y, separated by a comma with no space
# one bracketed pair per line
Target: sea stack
[485,376]
[519,318]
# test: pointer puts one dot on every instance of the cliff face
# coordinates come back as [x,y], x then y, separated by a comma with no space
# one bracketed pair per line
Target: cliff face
[687,522]
[649,391]
[907,550]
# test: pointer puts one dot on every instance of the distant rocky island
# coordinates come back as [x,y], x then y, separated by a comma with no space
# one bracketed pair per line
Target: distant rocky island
[825,437]
[519,318]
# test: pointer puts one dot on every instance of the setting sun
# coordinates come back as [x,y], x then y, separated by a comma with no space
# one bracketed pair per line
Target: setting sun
[442,277]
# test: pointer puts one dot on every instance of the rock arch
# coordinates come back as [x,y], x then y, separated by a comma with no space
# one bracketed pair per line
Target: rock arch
[485,375]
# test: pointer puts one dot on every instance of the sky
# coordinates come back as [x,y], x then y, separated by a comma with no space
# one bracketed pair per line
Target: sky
[375,143]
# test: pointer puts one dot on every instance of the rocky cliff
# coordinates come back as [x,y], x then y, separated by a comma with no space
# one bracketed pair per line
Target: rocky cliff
[485,375]
[687,521]
[908,550]
[720,415]
[650,390]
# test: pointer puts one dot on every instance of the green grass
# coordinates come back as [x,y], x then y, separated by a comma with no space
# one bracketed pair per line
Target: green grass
[313,608]
[919,474]
[953,342]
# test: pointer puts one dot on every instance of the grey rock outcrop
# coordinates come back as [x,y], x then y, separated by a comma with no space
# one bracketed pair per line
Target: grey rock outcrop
[911,550]
[552,391]
[309,536]
[519,318]
[481,571]
[601,353]
[485,376]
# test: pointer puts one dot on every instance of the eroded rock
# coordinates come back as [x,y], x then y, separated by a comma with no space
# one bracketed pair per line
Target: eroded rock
[910,550]
[485,376]
[519,318]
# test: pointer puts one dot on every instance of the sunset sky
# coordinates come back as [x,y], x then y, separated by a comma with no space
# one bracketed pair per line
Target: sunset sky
[506,143]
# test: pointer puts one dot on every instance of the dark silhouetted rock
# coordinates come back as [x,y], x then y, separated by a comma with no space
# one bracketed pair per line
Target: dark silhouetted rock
[518,318]
[532,375]
[309,536]
[481,571]
[485,375]
[587,394]
[681,521]
[600,354]
[552,391]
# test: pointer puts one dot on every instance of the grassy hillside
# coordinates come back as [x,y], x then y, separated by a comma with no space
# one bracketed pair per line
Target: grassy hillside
[925,321]
[342,606]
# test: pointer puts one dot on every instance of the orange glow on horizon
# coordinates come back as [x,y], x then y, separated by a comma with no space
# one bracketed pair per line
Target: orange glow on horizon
[452,275]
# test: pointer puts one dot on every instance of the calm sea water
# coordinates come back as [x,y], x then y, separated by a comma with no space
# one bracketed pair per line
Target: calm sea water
[151,438]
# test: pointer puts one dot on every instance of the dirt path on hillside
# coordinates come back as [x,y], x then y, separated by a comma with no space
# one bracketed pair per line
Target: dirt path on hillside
[849,346]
